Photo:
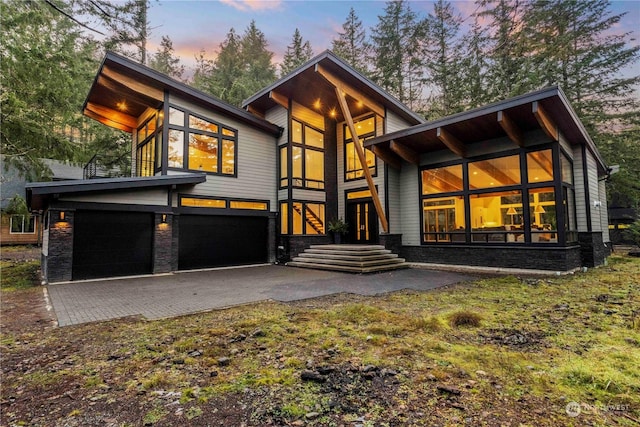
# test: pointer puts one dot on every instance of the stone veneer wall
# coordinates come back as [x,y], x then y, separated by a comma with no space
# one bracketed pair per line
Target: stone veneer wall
[538,258]
[162,244]
[593,249]
[393,242]
[294,245]
[57,263]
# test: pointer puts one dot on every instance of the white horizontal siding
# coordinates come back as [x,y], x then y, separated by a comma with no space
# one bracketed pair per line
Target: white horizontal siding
[604,214]
[283,194]
[395,208]
[309,195]
[156,197]
[566,146]
[594,194]
[581,208]
[395,123]
[410,205]
[255,164]
[279,116]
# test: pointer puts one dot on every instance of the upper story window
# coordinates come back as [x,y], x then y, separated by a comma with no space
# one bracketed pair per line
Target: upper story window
[197,143]
[22,224]
[307,157]
[366,129]
[149,146]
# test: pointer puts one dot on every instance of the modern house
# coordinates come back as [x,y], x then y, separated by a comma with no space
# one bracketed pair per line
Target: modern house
[518,183]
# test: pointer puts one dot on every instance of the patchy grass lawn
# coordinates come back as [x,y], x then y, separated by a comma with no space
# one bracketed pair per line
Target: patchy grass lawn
[15,275]
[499,351]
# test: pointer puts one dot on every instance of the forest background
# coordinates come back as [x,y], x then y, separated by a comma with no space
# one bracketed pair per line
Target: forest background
[437,63]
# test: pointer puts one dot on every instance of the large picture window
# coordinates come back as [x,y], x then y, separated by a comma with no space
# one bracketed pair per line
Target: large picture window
[209,146]
[366,129]
[307,157]
[521,209]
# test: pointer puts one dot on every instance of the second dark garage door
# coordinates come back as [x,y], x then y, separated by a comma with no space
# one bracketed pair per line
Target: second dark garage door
[216,241]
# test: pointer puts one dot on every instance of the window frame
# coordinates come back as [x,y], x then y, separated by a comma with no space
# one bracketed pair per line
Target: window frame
[187,130]
[524,187]
[303,147]
[22,224]
[156,162]
[289,216]
[227,204]
[362,139]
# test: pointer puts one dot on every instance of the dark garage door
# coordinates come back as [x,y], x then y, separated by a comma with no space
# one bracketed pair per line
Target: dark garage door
[216,241]
[107,244]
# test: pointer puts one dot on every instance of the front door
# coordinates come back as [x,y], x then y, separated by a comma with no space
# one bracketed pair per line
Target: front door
[363,222]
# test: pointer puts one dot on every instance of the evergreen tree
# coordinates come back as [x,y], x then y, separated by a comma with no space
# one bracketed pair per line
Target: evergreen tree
[473,67]
[398,53]
[164,60]
[298,52]
[507,73]
[351,44]
[257,61]
[444,61]
[46,67]
[578,49]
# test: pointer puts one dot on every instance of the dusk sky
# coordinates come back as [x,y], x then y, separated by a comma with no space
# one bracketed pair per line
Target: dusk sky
[195,25]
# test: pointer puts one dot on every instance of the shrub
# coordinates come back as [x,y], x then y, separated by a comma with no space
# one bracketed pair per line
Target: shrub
[465,318]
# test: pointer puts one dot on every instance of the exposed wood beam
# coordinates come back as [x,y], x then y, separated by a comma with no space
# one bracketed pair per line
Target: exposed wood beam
[107,122]
[349,90]
[254,111]
[279,98]
[405,152]
[511,128]
[134,84]
[387,156]
[127,93]
[363,161]
[113,115]
[544,120]
[452,143]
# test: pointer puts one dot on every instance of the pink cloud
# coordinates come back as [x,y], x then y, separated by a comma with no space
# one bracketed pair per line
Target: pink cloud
[253,5]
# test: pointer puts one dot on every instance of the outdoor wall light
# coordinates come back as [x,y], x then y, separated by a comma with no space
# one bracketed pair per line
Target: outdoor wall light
[61,216]
[163,219]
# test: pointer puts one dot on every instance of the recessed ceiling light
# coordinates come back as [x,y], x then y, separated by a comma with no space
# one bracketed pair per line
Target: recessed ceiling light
[122,106]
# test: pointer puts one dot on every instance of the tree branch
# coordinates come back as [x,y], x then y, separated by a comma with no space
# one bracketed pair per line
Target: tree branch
[71,17]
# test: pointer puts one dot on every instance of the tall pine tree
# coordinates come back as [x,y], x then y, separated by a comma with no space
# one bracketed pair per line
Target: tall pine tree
[298,52]
[351,44]
[165,61]
[397,52]
[444,61]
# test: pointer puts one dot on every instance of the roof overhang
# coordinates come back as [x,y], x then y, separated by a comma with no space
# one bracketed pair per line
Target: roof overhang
[547,109]
[313,85]
[39,193]
[123,90]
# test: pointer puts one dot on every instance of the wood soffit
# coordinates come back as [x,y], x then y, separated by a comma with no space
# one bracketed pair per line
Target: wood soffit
[457,135]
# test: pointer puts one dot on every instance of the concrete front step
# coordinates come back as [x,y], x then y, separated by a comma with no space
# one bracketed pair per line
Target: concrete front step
[344,268]
[351,263]
[349,258]
[348,252]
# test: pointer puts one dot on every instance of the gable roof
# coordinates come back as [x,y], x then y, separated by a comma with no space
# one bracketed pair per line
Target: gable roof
[306,86]
[123,89]
[481,124]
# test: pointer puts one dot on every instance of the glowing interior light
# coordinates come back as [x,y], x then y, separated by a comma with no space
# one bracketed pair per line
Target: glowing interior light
[122,106]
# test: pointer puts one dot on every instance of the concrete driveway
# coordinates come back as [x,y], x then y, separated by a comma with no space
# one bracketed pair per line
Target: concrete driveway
[191,292]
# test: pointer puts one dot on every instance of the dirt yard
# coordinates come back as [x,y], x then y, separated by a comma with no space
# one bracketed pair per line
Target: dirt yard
[507,351]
